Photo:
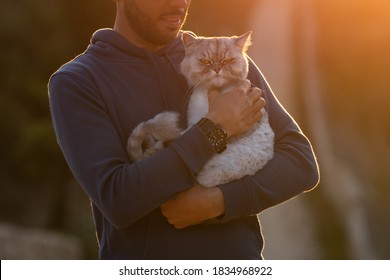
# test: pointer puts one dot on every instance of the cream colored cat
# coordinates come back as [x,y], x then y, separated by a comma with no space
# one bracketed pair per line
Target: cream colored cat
[210,62]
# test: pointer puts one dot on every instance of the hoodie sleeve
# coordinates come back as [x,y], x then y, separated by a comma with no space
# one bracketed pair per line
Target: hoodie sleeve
[292,170]
[123,192]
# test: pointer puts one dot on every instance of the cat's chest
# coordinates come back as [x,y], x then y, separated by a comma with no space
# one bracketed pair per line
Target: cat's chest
[198,106]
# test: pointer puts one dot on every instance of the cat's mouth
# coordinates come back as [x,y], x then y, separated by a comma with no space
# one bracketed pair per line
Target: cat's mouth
[220,80]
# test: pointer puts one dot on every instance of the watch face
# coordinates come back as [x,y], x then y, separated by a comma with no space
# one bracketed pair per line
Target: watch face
[217,137]
[214,133]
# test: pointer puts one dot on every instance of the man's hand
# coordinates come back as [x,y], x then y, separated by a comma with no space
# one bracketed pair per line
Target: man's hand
[236,110]
[194,206]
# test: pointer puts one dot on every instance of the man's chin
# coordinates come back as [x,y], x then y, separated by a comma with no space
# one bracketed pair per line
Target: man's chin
[163,37]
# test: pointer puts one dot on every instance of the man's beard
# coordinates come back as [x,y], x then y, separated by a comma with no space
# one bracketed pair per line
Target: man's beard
[143,25]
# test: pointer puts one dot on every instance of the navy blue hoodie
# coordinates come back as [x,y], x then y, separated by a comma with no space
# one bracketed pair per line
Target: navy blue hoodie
[99,97]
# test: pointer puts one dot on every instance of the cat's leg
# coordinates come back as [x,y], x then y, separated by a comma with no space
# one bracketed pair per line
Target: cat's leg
[150,150]
[148,137]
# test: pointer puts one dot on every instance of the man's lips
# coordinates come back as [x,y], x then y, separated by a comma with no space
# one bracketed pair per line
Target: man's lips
[173,21]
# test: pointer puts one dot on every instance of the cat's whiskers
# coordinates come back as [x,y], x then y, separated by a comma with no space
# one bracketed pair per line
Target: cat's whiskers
[231,79]
[210,77]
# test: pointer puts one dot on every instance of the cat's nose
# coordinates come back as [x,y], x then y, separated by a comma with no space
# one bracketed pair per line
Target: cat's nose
[217,68]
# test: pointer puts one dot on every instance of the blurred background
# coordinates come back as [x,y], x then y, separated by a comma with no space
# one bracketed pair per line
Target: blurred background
[328,62]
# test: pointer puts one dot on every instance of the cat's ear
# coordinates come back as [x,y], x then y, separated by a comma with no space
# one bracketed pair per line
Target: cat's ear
[244,41]
[188,39]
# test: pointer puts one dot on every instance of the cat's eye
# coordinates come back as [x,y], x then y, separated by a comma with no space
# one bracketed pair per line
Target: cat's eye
[205,61]
[228,61]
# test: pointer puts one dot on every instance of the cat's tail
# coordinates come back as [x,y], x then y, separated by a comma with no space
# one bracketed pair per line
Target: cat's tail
[149,136]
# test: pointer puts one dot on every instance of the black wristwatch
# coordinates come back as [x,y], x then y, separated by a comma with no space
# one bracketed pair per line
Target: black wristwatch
[215,133]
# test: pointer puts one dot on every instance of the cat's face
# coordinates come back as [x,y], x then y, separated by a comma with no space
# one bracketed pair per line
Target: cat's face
[215,61]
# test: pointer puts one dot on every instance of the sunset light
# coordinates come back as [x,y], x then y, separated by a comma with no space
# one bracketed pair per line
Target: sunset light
[327,63]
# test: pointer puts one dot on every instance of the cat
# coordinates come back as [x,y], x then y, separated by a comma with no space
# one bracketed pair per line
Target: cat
[210,62]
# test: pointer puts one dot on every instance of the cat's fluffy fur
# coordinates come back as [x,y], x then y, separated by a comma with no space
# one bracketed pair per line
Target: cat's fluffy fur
[210,62]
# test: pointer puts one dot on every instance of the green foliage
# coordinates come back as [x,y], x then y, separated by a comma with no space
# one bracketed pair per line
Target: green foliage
[37,37]
[27,51]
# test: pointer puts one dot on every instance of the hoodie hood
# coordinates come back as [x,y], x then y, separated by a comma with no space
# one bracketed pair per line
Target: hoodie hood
[112,45]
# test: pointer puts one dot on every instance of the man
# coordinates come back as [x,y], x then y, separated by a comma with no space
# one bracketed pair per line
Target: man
[154,209]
